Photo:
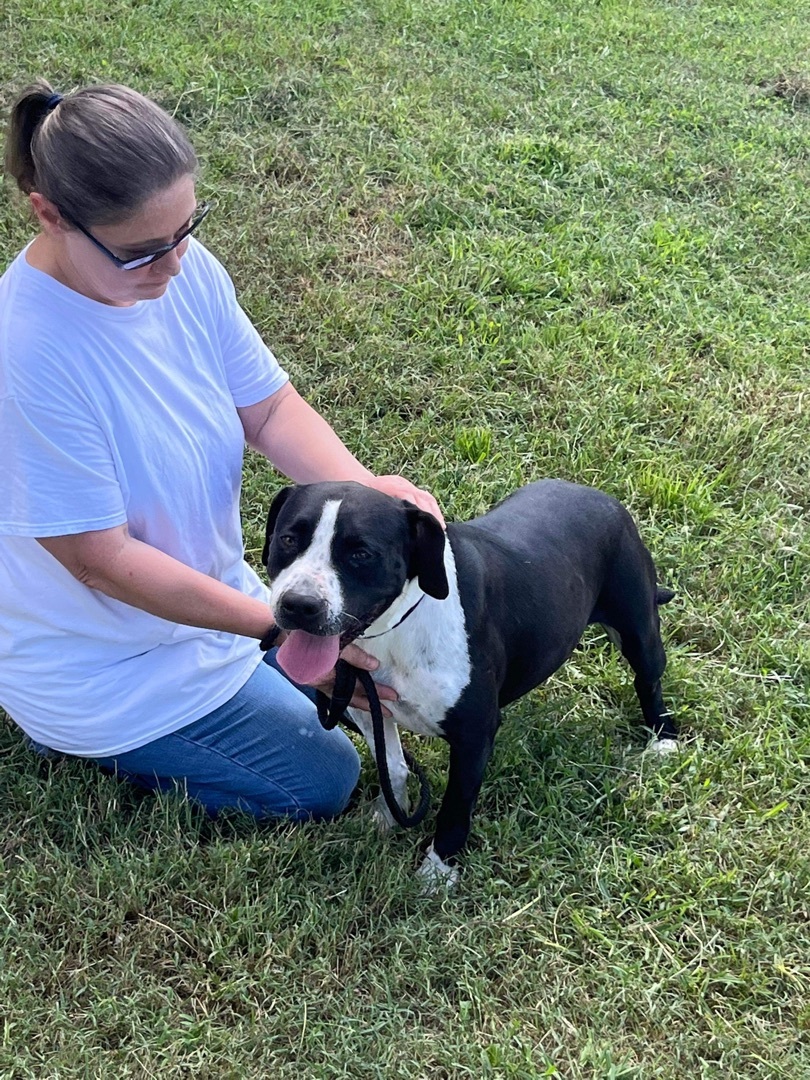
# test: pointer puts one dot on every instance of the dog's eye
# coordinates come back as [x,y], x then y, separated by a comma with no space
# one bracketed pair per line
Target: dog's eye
[286,541]
[361,555]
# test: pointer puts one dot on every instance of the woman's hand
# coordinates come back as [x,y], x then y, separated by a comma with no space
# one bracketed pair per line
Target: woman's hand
[400,488]
[355,656]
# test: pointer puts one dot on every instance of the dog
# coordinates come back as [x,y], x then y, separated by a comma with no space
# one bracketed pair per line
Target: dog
[463,622]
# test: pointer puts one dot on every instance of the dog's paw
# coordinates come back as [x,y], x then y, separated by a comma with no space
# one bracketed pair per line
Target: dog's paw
[382,817]
[663,747]
[437,875]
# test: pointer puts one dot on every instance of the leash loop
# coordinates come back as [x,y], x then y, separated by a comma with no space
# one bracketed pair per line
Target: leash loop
[331,712]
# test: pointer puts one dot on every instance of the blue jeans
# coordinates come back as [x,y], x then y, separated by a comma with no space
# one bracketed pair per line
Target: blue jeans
[263,752]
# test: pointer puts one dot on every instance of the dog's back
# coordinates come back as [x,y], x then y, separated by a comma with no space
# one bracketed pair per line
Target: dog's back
[535,567]
[581,521]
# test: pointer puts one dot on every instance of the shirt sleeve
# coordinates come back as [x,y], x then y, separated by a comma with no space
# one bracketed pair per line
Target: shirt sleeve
[252,371]
[57,475]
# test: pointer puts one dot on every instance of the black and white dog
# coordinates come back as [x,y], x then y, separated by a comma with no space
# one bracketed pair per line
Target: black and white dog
[464,622]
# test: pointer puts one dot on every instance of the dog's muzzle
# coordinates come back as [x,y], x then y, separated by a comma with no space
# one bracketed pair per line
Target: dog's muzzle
[305,611]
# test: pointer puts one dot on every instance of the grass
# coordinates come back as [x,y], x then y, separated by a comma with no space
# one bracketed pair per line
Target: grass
[491,243]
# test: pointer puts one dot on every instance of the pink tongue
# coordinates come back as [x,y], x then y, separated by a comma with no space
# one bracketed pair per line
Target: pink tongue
[308,657]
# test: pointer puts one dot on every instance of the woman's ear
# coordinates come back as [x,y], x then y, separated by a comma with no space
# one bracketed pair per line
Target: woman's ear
[47,214]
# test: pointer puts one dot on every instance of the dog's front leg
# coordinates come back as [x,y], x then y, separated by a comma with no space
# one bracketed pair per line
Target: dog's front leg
[468,762]
[397,769]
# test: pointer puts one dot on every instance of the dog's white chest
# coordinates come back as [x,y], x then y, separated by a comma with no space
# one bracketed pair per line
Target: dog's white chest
[425,694]
[426,659]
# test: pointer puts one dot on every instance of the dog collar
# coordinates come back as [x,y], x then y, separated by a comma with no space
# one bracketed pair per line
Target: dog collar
[410,611]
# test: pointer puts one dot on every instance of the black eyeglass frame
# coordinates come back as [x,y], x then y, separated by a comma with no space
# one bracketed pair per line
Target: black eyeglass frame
[152,256]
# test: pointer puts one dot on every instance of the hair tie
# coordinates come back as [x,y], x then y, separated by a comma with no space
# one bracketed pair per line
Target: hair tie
[52,102]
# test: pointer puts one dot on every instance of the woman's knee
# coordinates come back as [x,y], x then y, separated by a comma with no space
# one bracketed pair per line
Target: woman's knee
[323,789]
[318,788]
[262,752]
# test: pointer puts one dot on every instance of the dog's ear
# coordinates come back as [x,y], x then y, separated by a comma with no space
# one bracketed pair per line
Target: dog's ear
[427,552]
[272,515]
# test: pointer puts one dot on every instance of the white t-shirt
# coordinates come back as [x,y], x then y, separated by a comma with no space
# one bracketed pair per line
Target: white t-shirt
[111,415]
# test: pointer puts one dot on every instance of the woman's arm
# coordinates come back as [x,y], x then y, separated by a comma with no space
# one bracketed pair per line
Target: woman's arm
[300,443]
[114,563]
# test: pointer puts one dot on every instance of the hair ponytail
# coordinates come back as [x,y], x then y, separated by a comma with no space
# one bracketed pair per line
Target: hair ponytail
[97,154]
[30,109]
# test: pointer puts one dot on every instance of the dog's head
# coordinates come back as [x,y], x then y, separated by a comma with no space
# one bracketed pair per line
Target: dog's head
[338,555]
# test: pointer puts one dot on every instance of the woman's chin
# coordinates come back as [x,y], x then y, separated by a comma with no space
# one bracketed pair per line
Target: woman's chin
[156,288]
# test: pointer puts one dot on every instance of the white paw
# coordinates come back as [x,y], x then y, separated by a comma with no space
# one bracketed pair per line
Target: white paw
[382,817]
[437,876]
[663,747]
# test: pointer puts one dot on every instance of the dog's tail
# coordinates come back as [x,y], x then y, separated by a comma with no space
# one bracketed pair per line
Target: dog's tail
[663,596]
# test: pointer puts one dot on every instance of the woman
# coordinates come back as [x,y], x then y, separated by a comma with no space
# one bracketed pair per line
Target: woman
[130,380]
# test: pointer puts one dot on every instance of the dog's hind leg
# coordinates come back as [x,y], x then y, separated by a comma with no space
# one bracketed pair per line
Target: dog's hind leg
[641,657]
[628,608]
[613,635]
[641,646]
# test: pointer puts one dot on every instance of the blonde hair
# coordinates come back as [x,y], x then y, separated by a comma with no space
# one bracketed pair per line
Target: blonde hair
[98,153]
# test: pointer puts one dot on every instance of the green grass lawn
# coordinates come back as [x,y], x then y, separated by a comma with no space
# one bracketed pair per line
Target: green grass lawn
[491,242]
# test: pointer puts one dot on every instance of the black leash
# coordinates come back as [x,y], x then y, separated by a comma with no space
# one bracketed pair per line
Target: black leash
[331,712]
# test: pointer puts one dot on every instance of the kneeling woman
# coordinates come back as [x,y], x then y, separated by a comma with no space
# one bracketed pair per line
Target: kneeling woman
[130,380]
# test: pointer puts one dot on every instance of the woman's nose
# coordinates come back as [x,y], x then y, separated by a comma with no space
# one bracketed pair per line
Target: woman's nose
[170,262]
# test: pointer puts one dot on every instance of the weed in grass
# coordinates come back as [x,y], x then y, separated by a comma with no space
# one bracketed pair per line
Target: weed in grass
[791,87]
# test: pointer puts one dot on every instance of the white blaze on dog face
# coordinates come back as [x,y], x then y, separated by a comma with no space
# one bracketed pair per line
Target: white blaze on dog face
[313,572]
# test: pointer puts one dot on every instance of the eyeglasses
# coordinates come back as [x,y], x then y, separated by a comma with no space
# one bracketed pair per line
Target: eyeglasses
[152,256]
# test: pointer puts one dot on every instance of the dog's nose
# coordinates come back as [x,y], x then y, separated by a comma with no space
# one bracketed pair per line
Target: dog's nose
[302,611]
